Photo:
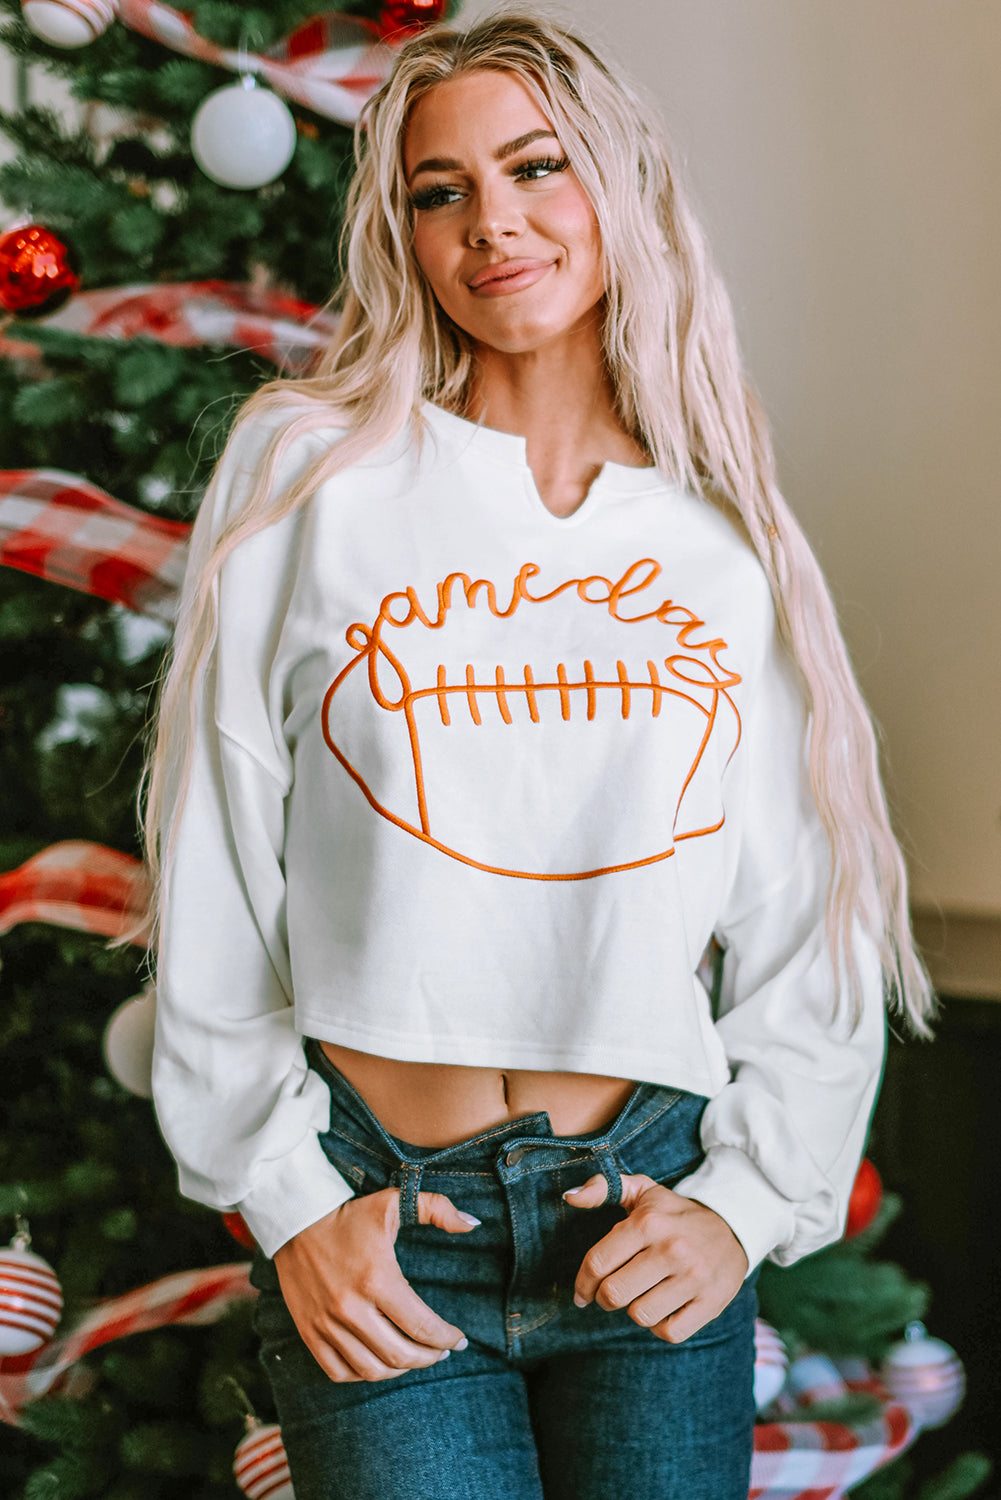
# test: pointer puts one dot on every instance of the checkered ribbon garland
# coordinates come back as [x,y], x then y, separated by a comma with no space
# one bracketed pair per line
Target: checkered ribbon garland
[187,1297]
[20,349]
[262,320]
[800,1458]
[77,884]
[332,64]
[59,526]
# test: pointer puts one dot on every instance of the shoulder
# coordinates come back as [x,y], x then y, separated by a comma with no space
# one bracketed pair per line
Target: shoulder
[712,546]
[271,443]
[283,426]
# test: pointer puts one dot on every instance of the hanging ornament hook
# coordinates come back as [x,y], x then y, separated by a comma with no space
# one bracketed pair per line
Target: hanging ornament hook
[243,1401]
[248,65]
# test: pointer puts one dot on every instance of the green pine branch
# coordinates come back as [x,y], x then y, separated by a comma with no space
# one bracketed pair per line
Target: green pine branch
[840,1300]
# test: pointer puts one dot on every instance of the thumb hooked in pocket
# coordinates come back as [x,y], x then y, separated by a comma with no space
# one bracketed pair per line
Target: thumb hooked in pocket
[435,1208]
[590,1194]
[593,1192]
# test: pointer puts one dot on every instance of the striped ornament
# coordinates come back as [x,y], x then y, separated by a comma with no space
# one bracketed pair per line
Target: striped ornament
[31,1300]
[68,23]
[926,1375]
[771,1363]
[260,1465]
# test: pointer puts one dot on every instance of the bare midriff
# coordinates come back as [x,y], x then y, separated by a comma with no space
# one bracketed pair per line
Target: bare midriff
[440,1104]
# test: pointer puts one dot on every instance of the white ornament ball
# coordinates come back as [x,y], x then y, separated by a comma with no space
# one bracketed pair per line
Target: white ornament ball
[68,23]
[260,1465]
[771,1364]
[128,1043]
[31,1300]
[243,137]
[926,1375]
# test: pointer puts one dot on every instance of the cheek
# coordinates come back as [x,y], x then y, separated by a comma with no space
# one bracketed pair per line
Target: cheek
[428,252]
[422,251]
[579,223]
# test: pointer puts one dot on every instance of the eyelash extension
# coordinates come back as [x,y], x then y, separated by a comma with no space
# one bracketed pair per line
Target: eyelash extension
[434,197]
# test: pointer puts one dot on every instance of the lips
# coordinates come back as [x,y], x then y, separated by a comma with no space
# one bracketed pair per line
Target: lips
[503,269]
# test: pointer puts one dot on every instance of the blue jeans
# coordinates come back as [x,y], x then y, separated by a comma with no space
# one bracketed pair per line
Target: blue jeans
[549,1401]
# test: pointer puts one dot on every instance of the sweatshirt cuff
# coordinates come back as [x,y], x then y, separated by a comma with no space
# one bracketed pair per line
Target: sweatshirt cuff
[291,1193]
[731,1185]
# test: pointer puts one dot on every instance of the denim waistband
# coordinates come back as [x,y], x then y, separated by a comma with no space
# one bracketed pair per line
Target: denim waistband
[645,1103]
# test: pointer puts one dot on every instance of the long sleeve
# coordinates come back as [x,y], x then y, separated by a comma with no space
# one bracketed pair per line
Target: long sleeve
[784,1137]
[235,1100]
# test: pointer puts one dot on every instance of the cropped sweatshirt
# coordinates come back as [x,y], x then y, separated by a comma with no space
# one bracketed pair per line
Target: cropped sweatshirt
[475,784]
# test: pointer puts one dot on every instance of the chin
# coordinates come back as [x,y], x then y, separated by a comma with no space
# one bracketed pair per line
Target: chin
[521,337]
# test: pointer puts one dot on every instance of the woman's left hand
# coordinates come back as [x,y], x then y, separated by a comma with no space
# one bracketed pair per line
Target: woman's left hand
[673,1263]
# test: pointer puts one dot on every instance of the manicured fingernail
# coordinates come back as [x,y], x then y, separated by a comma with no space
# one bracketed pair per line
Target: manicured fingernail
[578,1300]
[443,1355]
[468,1218]
[570,1191]
[462,1344]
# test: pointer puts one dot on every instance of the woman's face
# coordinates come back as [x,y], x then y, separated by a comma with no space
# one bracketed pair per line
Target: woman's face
[490,185]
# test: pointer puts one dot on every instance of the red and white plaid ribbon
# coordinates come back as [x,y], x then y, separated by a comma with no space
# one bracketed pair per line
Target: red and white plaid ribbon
[799,1458]
[21,349]
[77,884]
[332,64]
[187,1297]
[263,320]
[61,527]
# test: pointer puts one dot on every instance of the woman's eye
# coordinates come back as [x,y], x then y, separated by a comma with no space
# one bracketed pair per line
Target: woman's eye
[433,196]
[527,171]
[544,164]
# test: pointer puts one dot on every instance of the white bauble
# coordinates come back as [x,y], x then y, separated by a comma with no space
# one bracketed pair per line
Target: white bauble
[128,1043]
[68,23]
[926,1375]
[31,1299]
[260,1466]
[243,136]
[771,1364]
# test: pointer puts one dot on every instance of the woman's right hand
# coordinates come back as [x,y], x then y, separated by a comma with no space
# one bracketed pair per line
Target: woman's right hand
[356,1312]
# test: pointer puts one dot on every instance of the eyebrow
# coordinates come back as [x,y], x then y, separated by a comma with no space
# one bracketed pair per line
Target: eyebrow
[449,164]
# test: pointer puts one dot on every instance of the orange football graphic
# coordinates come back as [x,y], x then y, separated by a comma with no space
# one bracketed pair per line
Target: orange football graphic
[489,758]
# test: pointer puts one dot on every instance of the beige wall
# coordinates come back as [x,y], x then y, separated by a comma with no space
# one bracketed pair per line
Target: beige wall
[847,158]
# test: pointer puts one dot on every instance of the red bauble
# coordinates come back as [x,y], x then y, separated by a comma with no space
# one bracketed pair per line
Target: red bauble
[398,16]
[867,1195]
[37,273]
[237,1226]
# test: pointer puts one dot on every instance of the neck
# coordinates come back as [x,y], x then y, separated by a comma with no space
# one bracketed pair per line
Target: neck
[561,400]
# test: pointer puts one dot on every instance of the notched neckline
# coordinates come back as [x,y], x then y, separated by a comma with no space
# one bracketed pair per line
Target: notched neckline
[511,450]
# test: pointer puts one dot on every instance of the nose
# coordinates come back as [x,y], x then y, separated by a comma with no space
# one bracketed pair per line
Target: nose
[494,216]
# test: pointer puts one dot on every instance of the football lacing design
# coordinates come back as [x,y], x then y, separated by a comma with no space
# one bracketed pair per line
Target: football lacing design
[501,690]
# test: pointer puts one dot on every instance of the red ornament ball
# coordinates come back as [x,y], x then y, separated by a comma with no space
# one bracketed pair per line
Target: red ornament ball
[37,271]
[400,16]
[237,1226]
[866,1196]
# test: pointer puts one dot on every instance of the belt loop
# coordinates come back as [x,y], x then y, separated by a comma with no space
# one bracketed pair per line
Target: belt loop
[407,1178]
[610,1168]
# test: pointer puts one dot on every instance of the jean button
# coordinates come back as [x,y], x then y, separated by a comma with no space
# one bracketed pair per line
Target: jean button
[514,1157]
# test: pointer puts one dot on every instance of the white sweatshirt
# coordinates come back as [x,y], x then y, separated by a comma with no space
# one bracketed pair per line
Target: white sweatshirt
[476,784]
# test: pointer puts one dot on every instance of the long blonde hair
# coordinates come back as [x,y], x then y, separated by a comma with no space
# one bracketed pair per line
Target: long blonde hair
[671,349]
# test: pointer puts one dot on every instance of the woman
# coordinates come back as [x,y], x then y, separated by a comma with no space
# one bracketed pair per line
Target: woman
[503,681]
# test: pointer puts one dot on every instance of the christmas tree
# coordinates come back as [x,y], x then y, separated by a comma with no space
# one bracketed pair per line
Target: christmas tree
[157,290]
